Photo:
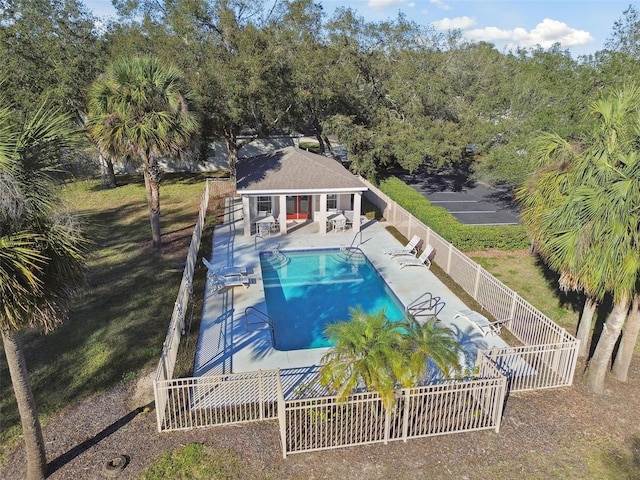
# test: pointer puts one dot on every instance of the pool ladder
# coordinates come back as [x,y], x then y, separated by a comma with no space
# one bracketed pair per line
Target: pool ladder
[426,305]
[347,253]
[280,259]
[263,318]
[351,247]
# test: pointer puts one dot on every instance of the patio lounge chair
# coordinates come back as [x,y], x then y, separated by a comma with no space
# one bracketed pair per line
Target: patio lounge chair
[423,260]
[224,271]
[409,249]
[222,284]
[482,322]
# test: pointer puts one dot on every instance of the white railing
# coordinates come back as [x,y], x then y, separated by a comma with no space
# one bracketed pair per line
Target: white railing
[219,400]
[323,423]
[544,340]
[535,367]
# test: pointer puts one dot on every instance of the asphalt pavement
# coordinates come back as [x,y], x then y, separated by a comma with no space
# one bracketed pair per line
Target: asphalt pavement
[472,203]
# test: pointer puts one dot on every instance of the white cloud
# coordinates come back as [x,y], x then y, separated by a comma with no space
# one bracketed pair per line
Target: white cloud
[545,34]
[440,4]
[462,23]
[386,3]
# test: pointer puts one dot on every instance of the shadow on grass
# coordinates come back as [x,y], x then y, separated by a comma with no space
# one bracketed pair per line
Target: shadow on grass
[566,299]
[118,324]
[623,460]
[172,178]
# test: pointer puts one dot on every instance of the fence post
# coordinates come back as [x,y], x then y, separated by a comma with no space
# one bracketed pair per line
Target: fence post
[160,406]
[502,392]
[448,270]
[512,313]
[261,394]
[477,283]
[387,424]
[405,414]
[410,225]
[282,417]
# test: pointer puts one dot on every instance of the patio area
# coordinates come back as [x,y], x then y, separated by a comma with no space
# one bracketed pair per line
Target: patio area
[225,343]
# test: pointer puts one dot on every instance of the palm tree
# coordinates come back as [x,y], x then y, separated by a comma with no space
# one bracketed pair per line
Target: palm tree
[582,215]
[138,109]
[545,191]
[382,355]
[41,260]
[548,188]
[430,341]
[368,350]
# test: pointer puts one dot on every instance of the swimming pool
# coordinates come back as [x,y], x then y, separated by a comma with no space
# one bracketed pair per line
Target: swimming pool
[305,290]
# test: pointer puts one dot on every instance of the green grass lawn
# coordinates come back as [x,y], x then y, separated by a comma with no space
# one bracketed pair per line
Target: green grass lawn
[117,327]
[528,276]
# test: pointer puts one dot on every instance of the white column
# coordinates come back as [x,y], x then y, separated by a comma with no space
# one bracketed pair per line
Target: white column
[322,215]
[282,216]
[357,206]
[246,215]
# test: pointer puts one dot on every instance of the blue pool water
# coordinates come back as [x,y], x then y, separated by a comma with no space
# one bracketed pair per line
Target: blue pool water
[306,290]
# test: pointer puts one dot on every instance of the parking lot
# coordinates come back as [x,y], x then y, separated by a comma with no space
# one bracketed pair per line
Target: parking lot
[470,202]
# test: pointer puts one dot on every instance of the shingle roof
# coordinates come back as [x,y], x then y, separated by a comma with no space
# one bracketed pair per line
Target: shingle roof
[293,169]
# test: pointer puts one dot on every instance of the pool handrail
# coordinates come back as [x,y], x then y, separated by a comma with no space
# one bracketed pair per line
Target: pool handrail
[264,318]
[426,305]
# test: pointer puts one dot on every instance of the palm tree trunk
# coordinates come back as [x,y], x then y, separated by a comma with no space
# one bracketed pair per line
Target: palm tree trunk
[584,328]
[152,188]
[33,440]
[108,173]
[628,344]
[599,363]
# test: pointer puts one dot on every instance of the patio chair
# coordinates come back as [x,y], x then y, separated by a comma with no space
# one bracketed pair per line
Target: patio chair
[340,225]
[214,272]
[349,214]
[264,229]
[222,284]
[482,322]
[424,260]
[409,249]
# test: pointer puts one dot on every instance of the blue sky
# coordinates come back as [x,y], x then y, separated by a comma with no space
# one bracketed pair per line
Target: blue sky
[582,26]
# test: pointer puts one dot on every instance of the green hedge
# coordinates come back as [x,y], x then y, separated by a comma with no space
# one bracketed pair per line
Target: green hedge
[465,237]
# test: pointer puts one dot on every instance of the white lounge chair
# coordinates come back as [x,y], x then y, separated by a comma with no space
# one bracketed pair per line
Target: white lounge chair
[482,322]
[222,284]
[423,260]
[409,249]
[230,270]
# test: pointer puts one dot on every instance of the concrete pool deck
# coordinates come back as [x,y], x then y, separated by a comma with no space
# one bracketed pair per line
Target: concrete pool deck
[226,345]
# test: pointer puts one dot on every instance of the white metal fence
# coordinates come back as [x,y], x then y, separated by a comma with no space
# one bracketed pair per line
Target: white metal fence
[451,407]
[219,399]
[549,349]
